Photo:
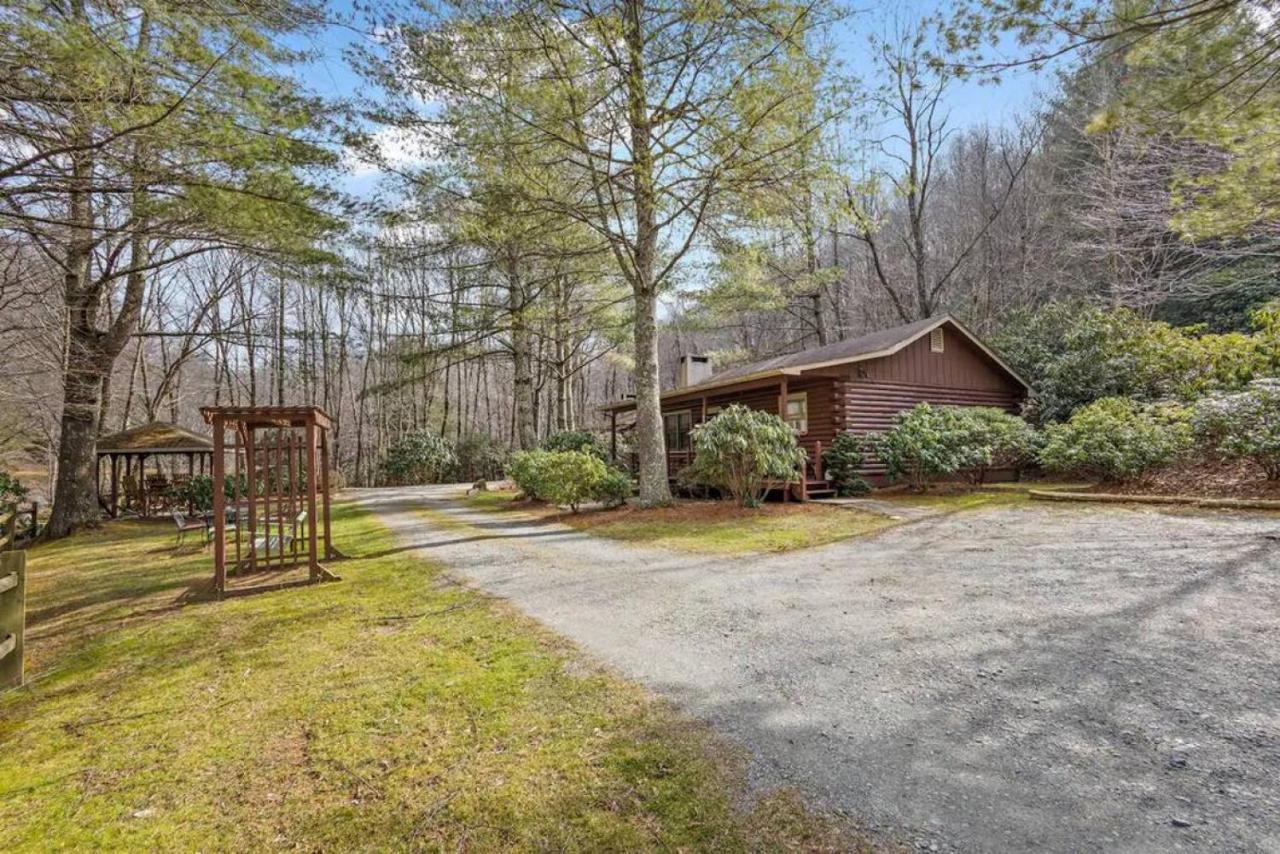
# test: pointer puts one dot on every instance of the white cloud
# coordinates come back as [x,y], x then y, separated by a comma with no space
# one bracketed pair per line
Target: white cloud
[396,148]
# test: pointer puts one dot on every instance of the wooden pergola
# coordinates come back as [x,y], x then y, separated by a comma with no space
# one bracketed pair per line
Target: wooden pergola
[275,500]
[156,441]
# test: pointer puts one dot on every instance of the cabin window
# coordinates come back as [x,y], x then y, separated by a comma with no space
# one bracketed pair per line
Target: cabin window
[676,426]
[712,412]
[797,416]
[936,342]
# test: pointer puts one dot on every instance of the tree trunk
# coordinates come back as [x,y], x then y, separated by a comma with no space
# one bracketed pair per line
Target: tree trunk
[75,487]
[650,444]
[562,355]
[526,429]
[654,488]
[75,495]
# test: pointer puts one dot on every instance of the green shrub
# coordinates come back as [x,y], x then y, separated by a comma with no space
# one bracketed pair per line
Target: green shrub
[991,438]
[418,457]
[926,442]
[526,470]
[740,449]
[478,456]
[841,462]
[198,492]
[11,489]
[1115,439]
[1075,354]
[576,440]
[614,488]
[1245,424]
[568,478]
[572,477]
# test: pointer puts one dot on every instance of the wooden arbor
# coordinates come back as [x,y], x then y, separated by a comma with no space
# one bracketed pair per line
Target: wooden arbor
[275,500]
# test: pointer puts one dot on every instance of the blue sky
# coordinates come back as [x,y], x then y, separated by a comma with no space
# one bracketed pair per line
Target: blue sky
[969,102]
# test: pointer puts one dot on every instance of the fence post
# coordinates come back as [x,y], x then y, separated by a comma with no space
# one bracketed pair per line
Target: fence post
[13,616]
[11,529]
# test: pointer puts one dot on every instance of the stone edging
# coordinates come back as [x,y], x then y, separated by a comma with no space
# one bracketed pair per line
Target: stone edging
[1228,503]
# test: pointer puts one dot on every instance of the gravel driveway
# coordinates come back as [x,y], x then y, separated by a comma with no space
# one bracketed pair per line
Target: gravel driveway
[1051,677]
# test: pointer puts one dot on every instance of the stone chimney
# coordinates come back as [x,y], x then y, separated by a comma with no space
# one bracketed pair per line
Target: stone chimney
[693,370]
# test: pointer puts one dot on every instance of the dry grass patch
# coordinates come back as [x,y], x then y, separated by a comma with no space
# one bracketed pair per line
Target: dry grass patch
[388,711]
[708,527]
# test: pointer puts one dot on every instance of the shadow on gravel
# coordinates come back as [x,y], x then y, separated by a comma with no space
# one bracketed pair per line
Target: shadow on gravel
[1123,729]
[439,544]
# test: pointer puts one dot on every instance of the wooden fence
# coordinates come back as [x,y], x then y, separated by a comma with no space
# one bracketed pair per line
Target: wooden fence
[20,524]
[13,616]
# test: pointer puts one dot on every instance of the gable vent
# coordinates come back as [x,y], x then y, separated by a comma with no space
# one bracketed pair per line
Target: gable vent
[936,342]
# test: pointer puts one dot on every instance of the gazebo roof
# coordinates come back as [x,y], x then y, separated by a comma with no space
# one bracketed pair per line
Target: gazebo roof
[157,437]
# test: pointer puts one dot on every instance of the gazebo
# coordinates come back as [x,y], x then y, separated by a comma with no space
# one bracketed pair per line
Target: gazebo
[159,442]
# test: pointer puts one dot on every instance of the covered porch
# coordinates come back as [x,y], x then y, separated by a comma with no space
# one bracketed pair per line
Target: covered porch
[782,394]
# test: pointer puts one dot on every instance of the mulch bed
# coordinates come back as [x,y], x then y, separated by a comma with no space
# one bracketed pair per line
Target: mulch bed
[1207,479]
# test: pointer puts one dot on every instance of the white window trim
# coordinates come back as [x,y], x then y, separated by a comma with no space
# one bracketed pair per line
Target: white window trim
[803,397]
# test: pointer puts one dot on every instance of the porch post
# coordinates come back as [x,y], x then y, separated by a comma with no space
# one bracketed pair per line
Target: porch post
[782,413]
[115,485]
[613,435]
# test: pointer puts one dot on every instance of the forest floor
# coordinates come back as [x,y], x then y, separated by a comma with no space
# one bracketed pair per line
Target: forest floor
[1208,478]
[394,709]
[1017,676]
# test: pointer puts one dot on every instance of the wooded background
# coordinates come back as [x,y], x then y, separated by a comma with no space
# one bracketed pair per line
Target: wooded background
[172,236]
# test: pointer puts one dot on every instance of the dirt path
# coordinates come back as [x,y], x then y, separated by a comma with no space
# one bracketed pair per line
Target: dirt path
[1042,678]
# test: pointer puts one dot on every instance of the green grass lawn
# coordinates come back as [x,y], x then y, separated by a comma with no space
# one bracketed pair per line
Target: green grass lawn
[394,709]
[960,500]
[710,527]
[955,497]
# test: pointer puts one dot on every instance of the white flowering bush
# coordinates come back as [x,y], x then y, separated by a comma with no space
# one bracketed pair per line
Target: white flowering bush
[1244,424]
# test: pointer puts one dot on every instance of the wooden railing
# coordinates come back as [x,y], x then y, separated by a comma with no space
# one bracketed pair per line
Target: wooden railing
[14,529]
[13,616]
[677,460]
[811,469]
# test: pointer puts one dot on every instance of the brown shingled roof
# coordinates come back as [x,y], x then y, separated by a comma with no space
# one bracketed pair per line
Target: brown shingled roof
[848,349]
[157,437]
[874,345]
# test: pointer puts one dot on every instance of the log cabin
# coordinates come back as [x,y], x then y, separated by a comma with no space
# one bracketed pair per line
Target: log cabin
[857,385]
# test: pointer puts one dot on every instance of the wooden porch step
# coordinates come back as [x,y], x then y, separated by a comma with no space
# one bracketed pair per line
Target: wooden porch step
[814,488]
